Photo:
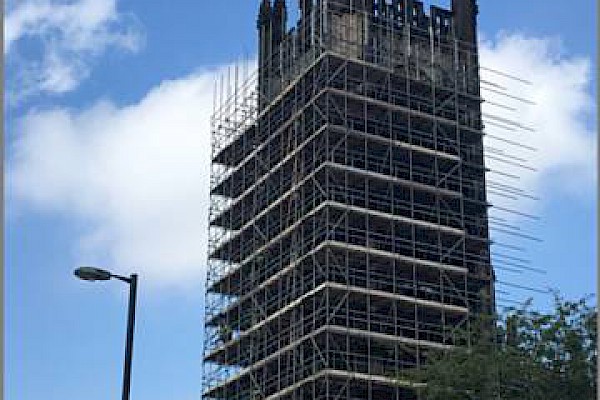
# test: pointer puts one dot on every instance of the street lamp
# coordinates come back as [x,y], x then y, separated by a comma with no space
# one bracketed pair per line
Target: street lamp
[97,274]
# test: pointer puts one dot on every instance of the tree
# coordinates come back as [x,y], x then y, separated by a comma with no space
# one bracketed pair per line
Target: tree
[522,355]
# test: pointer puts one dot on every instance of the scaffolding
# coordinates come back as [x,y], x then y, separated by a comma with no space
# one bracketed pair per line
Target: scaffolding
[349,228]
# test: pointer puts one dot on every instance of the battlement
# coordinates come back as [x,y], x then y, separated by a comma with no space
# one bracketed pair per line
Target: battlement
[360,29]
[462,15]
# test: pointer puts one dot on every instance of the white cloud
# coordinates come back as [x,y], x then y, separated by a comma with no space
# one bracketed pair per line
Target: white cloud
[139,175]
[561,116]
[69,34]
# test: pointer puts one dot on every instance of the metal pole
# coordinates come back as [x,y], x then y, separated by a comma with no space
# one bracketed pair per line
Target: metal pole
[129,344]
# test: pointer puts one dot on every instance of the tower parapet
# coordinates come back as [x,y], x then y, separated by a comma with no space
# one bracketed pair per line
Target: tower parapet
[362,29]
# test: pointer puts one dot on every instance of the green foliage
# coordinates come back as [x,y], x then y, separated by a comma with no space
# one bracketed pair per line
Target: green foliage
[523,355]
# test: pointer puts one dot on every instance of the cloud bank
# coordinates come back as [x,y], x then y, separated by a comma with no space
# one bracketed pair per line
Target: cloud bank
[558,116]
[139,175]
[50,45]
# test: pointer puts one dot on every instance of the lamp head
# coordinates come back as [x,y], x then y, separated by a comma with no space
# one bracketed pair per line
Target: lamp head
[92,274]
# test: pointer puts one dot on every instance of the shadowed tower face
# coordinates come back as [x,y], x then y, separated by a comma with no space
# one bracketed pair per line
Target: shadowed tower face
[349,234]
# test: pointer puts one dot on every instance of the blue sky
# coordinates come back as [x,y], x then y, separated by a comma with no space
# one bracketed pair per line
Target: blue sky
[106,140]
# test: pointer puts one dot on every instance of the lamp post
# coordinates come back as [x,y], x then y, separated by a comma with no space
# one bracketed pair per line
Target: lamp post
[97,274]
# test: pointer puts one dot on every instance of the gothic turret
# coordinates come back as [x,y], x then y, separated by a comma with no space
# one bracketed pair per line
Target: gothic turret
[279,21]
[264,46]
[264,30]
[465,20]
